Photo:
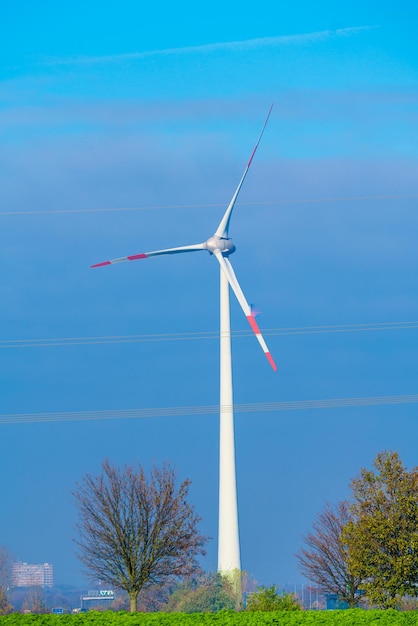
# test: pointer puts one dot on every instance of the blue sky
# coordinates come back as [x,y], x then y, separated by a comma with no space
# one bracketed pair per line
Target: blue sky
[110,106]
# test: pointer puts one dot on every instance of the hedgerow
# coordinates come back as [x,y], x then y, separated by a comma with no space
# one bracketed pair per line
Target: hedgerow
[355,617]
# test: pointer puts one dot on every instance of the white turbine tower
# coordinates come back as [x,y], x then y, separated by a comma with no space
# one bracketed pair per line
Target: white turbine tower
[221,246]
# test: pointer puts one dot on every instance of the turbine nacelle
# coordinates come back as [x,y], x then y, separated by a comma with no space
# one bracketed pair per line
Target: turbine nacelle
[219,244]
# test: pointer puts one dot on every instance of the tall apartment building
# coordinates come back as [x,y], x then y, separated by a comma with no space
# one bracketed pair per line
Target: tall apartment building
[28,575]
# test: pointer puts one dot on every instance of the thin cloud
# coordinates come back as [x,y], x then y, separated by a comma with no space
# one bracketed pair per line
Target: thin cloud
[225,46]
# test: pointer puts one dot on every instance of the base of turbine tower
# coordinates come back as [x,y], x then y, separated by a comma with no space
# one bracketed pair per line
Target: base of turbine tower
[234,583]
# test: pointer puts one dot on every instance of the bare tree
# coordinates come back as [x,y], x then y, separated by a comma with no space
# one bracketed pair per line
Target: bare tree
[136,530]
[5,579]
[325,560]
[34,600]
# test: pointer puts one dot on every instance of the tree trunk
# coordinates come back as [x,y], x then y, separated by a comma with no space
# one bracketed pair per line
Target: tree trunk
[351,599]
[132,601]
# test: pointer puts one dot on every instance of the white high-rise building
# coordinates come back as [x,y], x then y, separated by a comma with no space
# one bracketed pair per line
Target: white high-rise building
[28,575]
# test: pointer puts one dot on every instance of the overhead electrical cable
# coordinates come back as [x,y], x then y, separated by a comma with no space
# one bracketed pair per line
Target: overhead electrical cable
[211,205]
[198,336]
[187,411]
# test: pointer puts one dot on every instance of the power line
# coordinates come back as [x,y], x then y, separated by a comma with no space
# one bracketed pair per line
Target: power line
[211,205]
[198,336]
[186,411]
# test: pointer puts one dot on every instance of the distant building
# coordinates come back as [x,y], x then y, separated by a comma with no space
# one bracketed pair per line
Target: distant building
[97,599]
[28,575]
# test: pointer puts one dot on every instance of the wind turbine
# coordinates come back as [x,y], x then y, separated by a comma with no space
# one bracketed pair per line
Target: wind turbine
[221,246]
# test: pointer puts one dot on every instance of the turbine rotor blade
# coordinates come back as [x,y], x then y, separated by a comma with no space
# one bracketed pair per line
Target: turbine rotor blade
[236,288]
[222,230]
[144,255]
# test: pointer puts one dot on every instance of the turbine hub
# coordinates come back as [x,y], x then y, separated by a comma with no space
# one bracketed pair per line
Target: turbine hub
[221,244]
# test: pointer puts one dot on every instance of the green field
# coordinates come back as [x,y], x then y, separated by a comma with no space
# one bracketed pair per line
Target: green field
[229,618]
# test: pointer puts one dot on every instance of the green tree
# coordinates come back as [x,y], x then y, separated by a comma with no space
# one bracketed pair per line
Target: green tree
[325,560]
[268,599]
[382,537]
[135,530]
[210,593]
